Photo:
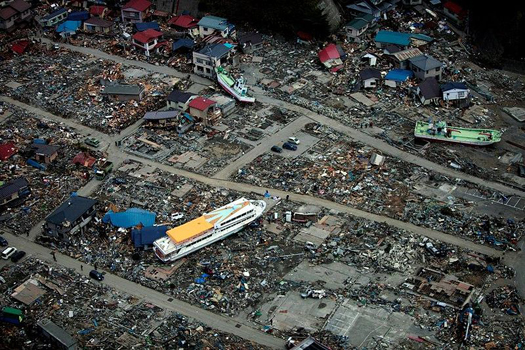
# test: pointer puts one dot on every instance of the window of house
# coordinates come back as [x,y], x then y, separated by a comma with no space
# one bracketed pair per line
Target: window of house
[437,69]
[200,69]
[461,94]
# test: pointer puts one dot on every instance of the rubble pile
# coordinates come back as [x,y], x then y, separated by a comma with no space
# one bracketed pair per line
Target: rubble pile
[97,315]
[70,85]
[342,172]
[48,187]
[506,299]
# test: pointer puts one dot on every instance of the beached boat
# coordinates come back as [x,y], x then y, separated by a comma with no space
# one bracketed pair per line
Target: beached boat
[235,87]
[440,131]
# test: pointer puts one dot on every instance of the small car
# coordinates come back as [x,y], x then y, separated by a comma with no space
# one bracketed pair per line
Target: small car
[176,216]
[289,146]
[277,149]
[3,242]
[91,141]
[96,275]
[17,256]
[294,140]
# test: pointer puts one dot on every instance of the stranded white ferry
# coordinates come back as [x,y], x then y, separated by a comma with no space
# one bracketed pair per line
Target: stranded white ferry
[207,229]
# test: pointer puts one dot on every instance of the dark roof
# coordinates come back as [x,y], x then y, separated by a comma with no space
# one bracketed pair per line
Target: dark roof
[148,235]
[99,22]
[215,50]
[117,89]
[454,85]
[46,150]
[19,5]
[7,12]
[187,43]
[425,62]
[179,96]
[161,115]
[429,88]
[57,332]
[250,38]
[147,25]
[391,48]
[13,186]
[369,73]
[71,210]
[54,14]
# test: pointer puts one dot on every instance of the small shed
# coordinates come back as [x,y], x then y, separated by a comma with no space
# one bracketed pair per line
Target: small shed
[396,77]
[428,91]
[45,153]
[123,92]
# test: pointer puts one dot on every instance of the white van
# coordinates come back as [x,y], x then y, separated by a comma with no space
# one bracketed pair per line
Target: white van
[8,252]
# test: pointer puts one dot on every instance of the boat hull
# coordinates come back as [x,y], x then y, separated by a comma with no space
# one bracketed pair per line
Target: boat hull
[460,141]
[234,93]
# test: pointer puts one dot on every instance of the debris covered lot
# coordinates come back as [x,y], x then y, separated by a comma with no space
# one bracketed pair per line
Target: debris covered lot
[49,183]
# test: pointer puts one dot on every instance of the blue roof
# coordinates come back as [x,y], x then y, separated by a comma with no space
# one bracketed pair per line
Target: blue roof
[453,85]
[214,22]
[399,75]
[397,38]
[129,218]
[147,25]
[78,16]
[148,235]
[188,43]
[422,37]
[54,14]
[68,26]
[215,50]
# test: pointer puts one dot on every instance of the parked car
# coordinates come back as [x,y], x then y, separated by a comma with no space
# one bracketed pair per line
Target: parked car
[96,275]
[91,141]
[277,149]
[289,146]
[3,242]
[6,254]
[176,216]
[17,256]
[294,140]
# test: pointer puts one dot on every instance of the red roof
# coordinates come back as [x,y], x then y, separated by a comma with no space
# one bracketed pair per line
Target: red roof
[7,150]
[84,159]
[147,35]
[139,5]
[453,7]
[20,46]
[329,53]
[97,10]
[19,5]
[201,103]
[184,21]
[7,12]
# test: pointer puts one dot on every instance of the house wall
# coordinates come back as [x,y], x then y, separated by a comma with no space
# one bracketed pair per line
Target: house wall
[370,83]
[52,21]
[455,94]
[96,29]
[420,74]
[7,24]
[148,47]
[353,33]
[132,16]
[179,105]
[199,114]
[204,65]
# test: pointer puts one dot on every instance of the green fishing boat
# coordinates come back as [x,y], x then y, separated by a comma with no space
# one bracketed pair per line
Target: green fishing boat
[440,131]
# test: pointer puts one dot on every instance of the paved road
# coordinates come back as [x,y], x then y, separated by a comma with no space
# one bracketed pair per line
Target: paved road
[386,148]
[145,65]
[351,132]
[262,147]
[118,156]
[222,323]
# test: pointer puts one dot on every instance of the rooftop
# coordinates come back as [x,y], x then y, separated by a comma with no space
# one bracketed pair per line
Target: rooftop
[44,149]
[425,62]
[13,186]
[201,103]
[430,88]
[99,22]
[215,50]
[214,22]
[72,209]
[454,85]
[397,38]
[54,14]
[138,5]
[357,23]
[161,115]
[369,73]
[184,21]
[330,52]
[179,96]
[147,35]
[399,75]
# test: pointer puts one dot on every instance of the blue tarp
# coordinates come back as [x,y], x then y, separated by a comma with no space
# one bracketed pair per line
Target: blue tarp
[187,43]
[399,75]
[78,16]
[68,26]
[147,25]
[36,164]
[148,235]
[129,218]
